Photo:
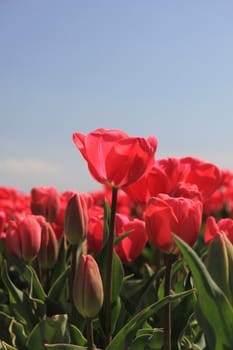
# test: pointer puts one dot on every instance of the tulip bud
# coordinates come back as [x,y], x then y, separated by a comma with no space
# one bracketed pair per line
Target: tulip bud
[45,201]
[76,219]
[220,263]
[88,287]
[49,246]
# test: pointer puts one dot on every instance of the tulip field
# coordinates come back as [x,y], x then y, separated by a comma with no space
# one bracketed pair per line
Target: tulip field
[145,262]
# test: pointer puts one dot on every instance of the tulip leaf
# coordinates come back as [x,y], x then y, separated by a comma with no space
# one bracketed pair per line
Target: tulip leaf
[122,236]
[214,312]
[150,339]
[61,263]
[107,214]
[118,273]
[57,291]
[29,275]
[5,321]
[7,346]
[18,335]
[19,301]
[58,294]
[126,334]
[65,347]
[76,335]
[51,330]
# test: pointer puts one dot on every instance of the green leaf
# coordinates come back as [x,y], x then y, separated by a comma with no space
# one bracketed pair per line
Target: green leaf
[7,346]
[76,336]
[18,335]
[118,272]
[51,330]
[61,263]
[19,301]
[107,214]
[65,347]
[214,311]
[115,312]
[148,339]
[122,236]
[5,321]
[29,275]
[58,290]
[57,297]
[125,336]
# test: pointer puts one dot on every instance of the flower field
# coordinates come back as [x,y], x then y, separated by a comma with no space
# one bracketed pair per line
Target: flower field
[146,262]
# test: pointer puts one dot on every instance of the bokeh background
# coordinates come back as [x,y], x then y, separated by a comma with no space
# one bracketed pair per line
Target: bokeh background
[146,67]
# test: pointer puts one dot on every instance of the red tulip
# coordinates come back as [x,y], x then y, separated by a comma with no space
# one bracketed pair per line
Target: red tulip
[165,215]
[23,237]
[45,201]
[212,228]
[208,177]
[95,230]
[2,220]
[114,158]
[131,246]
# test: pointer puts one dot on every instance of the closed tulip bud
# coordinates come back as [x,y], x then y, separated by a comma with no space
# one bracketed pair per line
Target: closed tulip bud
[88,287]
[49,246]
[220,263]
[23,237]
[76,219]
[45,201]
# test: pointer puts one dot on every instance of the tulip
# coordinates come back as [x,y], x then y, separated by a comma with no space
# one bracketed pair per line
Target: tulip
[95,233]
[76,219]
[114,158]
[48,253]
[131,246]
[2,220]
[165,215]
[212,228]
[220,263]
[87,287]
[45,201]
[23,237]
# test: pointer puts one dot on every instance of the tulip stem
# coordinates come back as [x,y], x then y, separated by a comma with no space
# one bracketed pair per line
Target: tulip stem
[74,248]
[168,259]
[110,248]
[90,336]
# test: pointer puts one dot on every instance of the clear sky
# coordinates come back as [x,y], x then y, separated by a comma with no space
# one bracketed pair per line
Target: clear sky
[152,67]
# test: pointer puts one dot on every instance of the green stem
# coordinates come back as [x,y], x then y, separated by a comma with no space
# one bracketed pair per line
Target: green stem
[168,259]
[72,274]
[90,336]
[110,248]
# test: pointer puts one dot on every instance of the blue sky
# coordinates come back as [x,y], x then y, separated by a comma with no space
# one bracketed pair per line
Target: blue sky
[151,67]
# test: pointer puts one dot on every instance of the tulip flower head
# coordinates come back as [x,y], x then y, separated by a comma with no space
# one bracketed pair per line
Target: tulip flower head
[45,201]
[23,237]
[165,215]
[114,158]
